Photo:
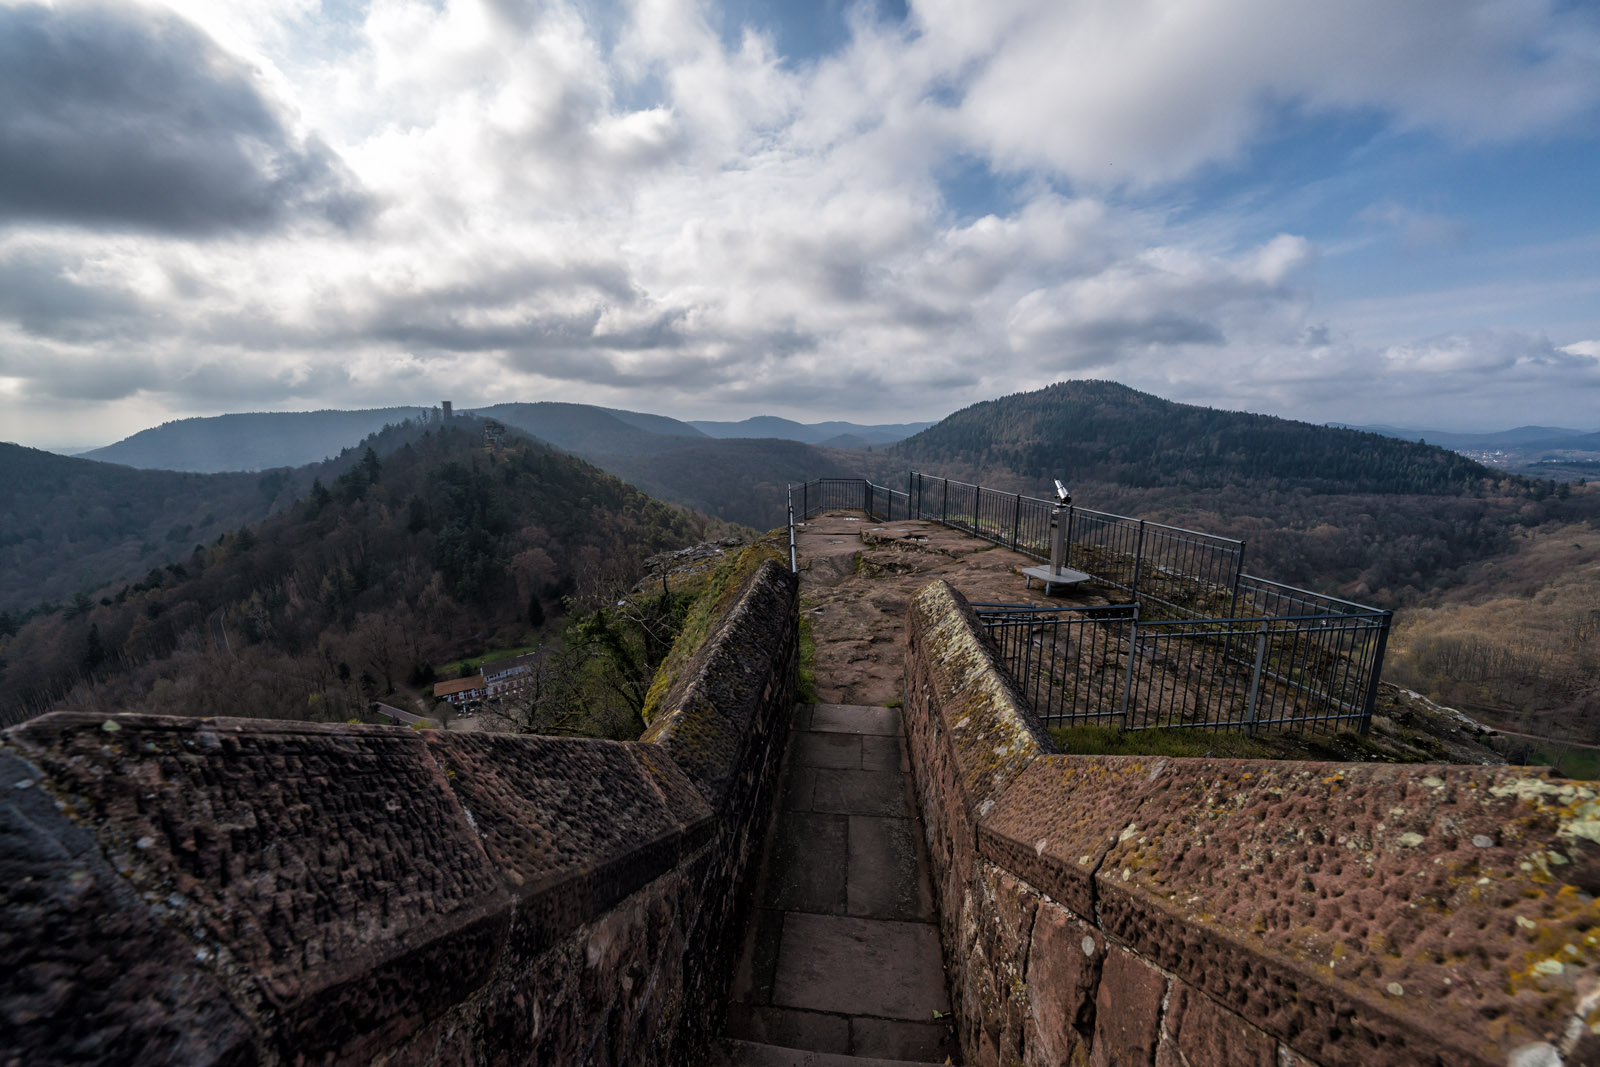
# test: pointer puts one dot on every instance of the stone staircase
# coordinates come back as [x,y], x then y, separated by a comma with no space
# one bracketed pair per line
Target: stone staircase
[751,1054]
[842,965]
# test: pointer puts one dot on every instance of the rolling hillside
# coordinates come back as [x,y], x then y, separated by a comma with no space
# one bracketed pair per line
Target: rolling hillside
[1349,512]
[1105,433]
[426,547]
[70,525]
[250,442]
[587,430]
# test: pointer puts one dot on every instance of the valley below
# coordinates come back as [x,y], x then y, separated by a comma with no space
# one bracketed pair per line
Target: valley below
[339,587]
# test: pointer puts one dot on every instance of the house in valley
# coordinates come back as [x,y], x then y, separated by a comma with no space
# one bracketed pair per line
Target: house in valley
[459,691]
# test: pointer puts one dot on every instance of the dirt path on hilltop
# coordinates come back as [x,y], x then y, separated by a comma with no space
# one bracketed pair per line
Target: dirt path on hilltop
[857,578]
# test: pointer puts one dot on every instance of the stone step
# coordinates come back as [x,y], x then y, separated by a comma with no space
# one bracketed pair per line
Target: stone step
[750,1054]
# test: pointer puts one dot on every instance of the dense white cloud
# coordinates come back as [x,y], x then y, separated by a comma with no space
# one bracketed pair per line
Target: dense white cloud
[1114,91]
[132,118]
[490,199]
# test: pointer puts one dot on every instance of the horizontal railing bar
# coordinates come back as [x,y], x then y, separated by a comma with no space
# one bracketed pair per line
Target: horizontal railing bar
[1363,608]
[1340,622]
[1124,520]
[1054,607]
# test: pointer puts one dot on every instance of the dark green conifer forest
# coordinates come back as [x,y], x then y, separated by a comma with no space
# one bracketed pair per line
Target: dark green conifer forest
[428,547]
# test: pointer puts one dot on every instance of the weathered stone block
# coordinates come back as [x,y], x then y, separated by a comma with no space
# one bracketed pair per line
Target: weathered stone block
[1127,1013]
[572,825]
[91,974]
[1367,913]
[328,871]
[1003,920]
[1064,961]
[989,734]
[711,719]
[1208,1035]
[1060,818]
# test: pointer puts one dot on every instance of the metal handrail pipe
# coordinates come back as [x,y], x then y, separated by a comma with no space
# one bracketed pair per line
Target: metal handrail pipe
[1363,608]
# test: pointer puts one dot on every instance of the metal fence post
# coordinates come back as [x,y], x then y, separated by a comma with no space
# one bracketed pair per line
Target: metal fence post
[793,569]
[1255,679]
[1233,606]
[1016,524]
[1238,575]
[1138,560]
[944,508]
[1376,668]
[1133,654]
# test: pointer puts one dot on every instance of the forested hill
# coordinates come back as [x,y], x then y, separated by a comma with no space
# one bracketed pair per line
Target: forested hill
[426,544]
[1105,433]
[251,441]
[741,480]
[588,430]
[68,525]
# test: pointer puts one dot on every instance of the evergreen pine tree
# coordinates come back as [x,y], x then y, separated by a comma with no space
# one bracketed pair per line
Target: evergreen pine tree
[94,653]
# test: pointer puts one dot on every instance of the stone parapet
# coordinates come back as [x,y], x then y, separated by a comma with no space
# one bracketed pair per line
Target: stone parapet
[236,891]
[1183,911]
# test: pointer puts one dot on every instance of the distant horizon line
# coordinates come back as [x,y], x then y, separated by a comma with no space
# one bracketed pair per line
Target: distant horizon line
[79,448]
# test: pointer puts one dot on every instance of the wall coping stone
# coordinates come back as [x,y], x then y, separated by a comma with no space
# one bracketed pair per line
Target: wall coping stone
[704,724]
[306,891]
[311,862]
[1361,913]
[993,737]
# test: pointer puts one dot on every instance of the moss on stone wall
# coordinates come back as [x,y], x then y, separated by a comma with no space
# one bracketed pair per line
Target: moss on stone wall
[719,595]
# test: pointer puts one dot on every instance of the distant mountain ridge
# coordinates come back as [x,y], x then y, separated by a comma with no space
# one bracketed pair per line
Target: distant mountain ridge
[1269,480]
[264,440]
[1520,437]
[740,480]
[816,433]
[250,441]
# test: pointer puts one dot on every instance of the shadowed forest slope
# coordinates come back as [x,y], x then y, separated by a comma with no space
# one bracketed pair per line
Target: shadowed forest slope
[428,547]
[70,525]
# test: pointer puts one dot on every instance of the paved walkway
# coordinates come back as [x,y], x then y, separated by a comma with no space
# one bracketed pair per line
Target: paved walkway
[842,955]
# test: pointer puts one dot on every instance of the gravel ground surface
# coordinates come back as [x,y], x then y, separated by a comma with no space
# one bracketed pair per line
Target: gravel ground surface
[857,576]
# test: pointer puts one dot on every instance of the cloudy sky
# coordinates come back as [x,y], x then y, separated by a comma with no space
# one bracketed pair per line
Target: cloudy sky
[1359,211]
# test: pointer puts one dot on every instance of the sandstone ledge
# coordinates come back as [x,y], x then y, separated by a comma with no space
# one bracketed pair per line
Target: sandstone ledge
[1346,913]
[239,891]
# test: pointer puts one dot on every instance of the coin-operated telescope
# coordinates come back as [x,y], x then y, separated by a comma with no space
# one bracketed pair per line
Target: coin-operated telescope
[1058,573]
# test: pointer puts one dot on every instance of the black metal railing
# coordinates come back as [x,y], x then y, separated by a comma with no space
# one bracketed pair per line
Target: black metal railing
[1066,661]
[1105,665]
[1198,642]
[1168,569]
[881,503]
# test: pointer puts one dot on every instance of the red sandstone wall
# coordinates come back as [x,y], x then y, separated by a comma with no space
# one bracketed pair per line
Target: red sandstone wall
[1113,910]
[243,892]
